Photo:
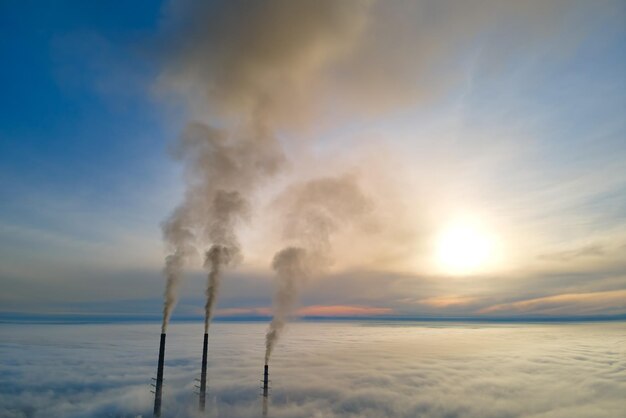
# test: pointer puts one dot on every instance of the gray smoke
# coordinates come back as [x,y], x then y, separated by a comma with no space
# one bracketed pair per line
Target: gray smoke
[221,171]
[298,59]
[216,258]
[313,212]
[233,64]
[232,58]
[290,265]
[249,70]
[228,208]
[180,241]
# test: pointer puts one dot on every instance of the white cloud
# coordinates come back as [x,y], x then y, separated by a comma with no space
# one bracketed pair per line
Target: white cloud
[319,370]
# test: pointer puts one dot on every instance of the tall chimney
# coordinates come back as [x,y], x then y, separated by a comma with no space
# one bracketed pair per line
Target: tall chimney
[203,374]
[159,379]
[265,381]
[265,389]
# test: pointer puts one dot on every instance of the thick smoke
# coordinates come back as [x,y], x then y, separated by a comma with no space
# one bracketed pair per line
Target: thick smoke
[243,67]
[234,58]
[180,239]
[297,60]
[221,171]
[249,71]
[216,258]
[290,265]
[228,207]
[313,213]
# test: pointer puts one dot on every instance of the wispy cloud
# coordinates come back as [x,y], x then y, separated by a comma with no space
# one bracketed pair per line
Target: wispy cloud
[343,310]
[447,301]
[314,310]
[225,312]
[566,304]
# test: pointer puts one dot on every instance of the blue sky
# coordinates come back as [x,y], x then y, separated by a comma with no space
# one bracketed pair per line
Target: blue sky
[525,128]
[80,133]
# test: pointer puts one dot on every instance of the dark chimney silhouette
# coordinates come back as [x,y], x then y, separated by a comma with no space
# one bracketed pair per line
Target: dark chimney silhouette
[159,380]
[265,381]
[205,347]
[265,389]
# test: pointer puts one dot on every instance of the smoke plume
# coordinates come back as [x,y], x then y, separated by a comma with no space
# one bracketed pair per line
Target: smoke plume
[233,64]
[180,241]
[228,208]
[313,212]
[248,72]
[220,171]
[297,59]
[290,265]
[216,258]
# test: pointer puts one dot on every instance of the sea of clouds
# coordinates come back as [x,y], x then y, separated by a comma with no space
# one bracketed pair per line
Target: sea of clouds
[367,369]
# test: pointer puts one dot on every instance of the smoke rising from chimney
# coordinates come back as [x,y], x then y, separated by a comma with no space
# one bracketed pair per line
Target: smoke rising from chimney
[314,211]
[180,241]
[217,257]
[221,170]
[228,208]
[247,72]
[246,68]
[291,269]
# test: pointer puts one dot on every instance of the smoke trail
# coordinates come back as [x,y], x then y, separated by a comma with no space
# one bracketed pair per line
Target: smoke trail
[228,208]
[291,269]
[180,240]
[314,211]
[216,258]
[173,273]
[221,170]
[246,68]
[213,260]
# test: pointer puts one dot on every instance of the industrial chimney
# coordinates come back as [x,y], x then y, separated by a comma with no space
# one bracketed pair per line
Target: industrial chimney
[203,373]
[265,389]
[265,381]
[159,380]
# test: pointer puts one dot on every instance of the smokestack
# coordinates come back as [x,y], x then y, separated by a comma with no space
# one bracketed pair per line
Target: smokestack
[203,374]
[265,381]
[159,379]
[265,389]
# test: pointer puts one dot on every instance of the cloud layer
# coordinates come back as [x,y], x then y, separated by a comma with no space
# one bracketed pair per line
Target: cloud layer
[319,370]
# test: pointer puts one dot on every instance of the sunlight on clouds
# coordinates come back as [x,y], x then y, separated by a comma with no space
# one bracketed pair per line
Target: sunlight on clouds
[514,131]
[448,301]
[465,247]
[566,304]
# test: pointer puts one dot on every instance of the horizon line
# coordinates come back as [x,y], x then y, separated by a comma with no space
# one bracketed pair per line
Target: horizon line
[70,318]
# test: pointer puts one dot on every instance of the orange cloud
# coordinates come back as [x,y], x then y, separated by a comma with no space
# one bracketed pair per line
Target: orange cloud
[342,310]
[315,310]
[446,301]
[567,303]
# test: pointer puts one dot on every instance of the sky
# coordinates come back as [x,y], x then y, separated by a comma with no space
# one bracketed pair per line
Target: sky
[439,159]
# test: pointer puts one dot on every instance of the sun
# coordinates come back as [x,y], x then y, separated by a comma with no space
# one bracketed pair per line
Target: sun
[464,248]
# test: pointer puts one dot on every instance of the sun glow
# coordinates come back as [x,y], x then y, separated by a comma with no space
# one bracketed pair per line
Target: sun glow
[464,248]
